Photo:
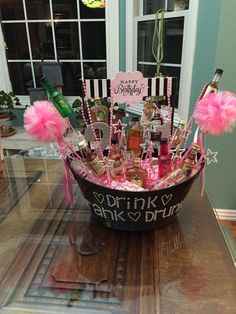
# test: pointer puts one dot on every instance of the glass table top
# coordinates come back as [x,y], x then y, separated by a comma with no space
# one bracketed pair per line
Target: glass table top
[56,259]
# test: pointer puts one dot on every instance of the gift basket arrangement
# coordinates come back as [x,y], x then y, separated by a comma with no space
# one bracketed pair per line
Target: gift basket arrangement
[134,177]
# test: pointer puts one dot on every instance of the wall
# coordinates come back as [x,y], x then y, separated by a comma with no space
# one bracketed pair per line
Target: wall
[215,47]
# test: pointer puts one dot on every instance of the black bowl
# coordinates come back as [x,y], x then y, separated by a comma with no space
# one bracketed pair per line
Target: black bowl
[134,211]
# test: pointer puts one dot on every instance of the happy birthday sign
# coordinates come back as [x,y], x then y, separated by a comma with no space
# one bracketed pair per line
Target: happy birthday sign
[129,87]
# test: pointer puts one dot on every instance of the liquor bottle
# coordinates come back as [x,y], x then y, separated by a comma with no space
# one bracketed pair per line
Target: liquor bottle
[148,112]
[99,112]
[178,134]
[136,174]
[182,172]
[116,162]
[92,159]
[164,159]
[155,134]
[155,154]
[134,137]
[212,87]
[57,99]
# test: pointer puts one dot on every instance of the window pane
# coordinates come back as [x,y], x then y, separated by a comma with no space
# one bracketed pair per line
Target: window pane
[71,73]
[93,40]
[90,13]
[149,70]
[11,10]
[67,39]
[37,9]
[175,5]
[38,73]
[145,34]
[64,9]
[172,40]
[16,41]
[95,70]
[152,6]
[21,77]
[41,40]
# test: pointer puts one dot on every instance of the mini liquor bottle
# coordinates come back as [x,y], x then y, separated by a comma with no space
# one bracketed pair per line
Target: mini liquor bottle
[212,87]
[92,159]
[134,137]
[137,175]
[164,159]
[148,112]
[57,99]
[116,162]
[182,172]
[99,112]
[155,134]
[178,134]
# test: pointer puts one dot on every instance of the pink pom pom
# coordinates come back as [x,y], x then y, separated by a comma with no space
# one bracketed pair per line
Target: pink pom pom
[44,122]
[216,113]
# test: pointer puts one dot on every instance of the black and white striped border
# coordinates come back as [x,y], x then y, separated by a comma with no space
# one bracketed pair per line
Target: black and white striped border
[157,86]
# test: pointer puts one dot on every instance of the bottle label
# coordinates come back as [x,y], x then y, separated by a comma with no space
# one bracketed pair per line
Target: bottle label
[137,180]
[65,108]
[97,166]
[134,142]
[210,89]
[101,115]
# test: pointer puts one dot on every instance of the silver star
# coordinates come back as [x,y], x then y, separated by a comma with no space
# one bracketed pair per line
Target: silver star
[210,157]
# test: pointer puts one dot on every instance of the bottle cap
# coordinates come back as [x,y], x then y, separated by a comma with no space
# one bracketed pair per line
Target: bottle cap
[82,143]
[114,140]
[163,140]
[137,160]
[219,71]
[196,146]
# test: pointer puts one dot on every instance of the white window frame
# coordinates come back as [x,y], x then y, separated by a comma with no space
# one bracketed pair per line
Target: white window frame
[112,47]
[134,12]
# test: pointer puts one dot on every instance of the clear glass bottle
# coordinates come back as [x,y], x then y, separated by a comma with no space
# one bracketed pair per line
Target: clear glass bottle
[155,134]
[178,133]
[164,159]
[136,174]
[134,137]
[92,159]
[57,99]
[99,112]
[116,162]
[148,112]
[212,87]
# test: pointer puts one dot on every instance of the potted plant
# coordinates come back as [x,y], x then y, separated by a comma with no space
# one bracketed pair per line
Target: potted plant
[7,102]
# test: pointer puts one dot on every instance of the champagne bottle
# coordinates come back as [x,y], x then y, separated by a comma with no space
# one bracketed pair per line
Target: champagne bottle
[212,87]
[57,99]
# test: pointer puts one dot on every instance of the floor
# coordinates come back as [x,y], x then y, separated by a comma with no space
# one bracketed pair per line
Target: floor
[229,231]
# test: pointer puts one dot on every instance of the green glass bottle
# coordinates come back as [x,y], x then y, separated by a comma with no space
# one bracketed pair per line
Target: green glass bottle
[57,99]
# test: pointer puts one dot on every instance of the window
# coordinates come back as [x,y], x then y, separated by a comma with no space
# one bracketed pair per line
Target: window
[66,30]
[179,33]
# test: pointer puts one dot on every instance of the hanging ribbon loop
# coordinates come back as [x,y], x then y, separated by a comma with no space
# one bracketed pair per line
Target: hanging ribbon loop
[157,40]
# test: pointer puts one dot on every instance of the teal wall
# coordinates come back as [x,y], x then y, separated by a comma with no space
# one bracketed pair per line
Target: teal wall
[215,47]
[122,36]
